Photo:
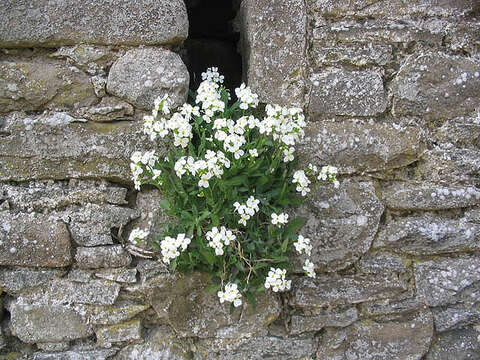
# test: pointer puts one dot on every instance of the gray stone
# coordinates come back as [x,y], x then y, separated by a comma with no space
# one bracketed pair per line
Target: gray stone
[409,338]
[359,146]
[350,289]
[461,344]
[46,23]
[17,279]
[41,196]
[381,264]
[102,257]
[109,314]
[332,318]
[80,275]
[109,109]
[358,55]
[256,348]
[436,86]
[97,354]
[191,311]
[462,132]
[440,282]
[341,223]
[273,46]
[59,346]
[463,36]
[125,332]
[91,225]
[33,240]
[42,83]
[405,196]
[429,235]
[68,149]
[121,275]
[46,322]
[337,91]
[142,75]
[448,166]
[391,307]
[453,318]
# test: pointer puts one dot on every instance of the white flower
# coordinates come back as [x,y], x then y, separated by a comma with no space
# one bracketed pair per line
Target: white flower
[280,219]
[302,182]
[231,294]
[246,97]
[288,154]
[219,238]
[136,157]
[203,182]
[253,152]
[302,245]
[276,280]
[156,173]
[309,268]
[137,235]
[171,247]
[213,75]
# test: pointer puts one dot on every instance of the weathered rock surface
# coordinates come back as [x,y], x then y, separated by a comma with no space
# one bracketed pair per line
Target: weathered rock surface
[40,196]
[452,318]
[405,196]
[381,264]
[436,86]
[46,322]
[334,318]
[356,146]
[42,83]
[46,23]
[125,332]
[98,354]
[273,47]
[429,235]
[354,54]
[391,307]
[102,257]
[109,314]
[16,279]
[91,225]
[142,75]
[122,275]
[329,290]
[371,340]
[109,109]
[338,91]
[463,344]
[341,223]
[58,147]
[440,282]
[33,240]
[256,348]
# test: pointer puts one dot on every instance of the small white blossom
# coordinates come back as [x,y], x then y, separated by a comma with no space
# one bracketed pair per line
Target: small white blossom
[288,154]
[302,245]
[276,280]
[171,247]
[253,152]
[280,219]
[302,182]
[247,210]
[309,268]
[231,294]
[219,238]
[137,235]
[246,97]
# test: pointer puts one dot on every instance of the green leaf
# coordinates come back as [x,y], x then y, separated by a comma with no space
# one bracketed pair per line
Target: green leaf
[212,289]
[165,204]
[285,245]
[237,180]
[210,259]
[293,226]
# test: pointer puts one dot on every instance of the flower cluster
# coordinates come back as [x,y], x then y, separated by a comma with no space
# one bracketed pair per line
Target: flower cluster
[303,246]
[137,235]
[213,75]
[276,280]
[309,268]
[209,96]
[247,210]
[246,97]
[302,182]
[144,165]
[212,165]
[284,124]
[219,239]
[231,294]
[171,246]
[280,219]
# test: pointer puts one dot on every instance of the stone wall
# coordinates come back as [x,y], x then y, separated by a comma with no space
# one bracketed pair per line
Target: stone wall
[392,93]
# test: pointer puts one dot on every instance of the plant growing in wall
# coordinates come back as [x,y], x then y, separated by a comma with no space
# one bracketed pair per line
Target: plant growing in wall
[229,178]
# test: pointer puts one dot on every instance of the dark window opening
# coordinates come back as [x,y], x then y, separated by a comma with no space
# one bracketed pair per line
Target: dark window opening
[213,40]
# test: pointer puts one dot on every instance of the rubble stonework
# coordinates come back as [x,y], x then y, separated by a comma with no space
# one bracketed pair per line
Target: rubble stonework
[391,91]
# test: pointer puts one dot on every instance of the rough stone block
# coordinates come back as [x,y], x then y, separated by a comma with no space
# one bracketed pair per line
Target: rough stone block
[462,344]
[337,91]
[46,322]
[353,54]
[333,318]
[109,109]
[408,338]
[142,75]
[381,264]
[436,86]
[404,196]
[341,223]
[273,47]
[58,147]
[121,275]
[429,235]
[125,332]
[358,146]
[329,290]
[440,282]
[102,257]
[33,240]
[381,308]
[17,279]
[91,225]
[97,354]
[42,83]
[66,22]
[456,317]
[109,314]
